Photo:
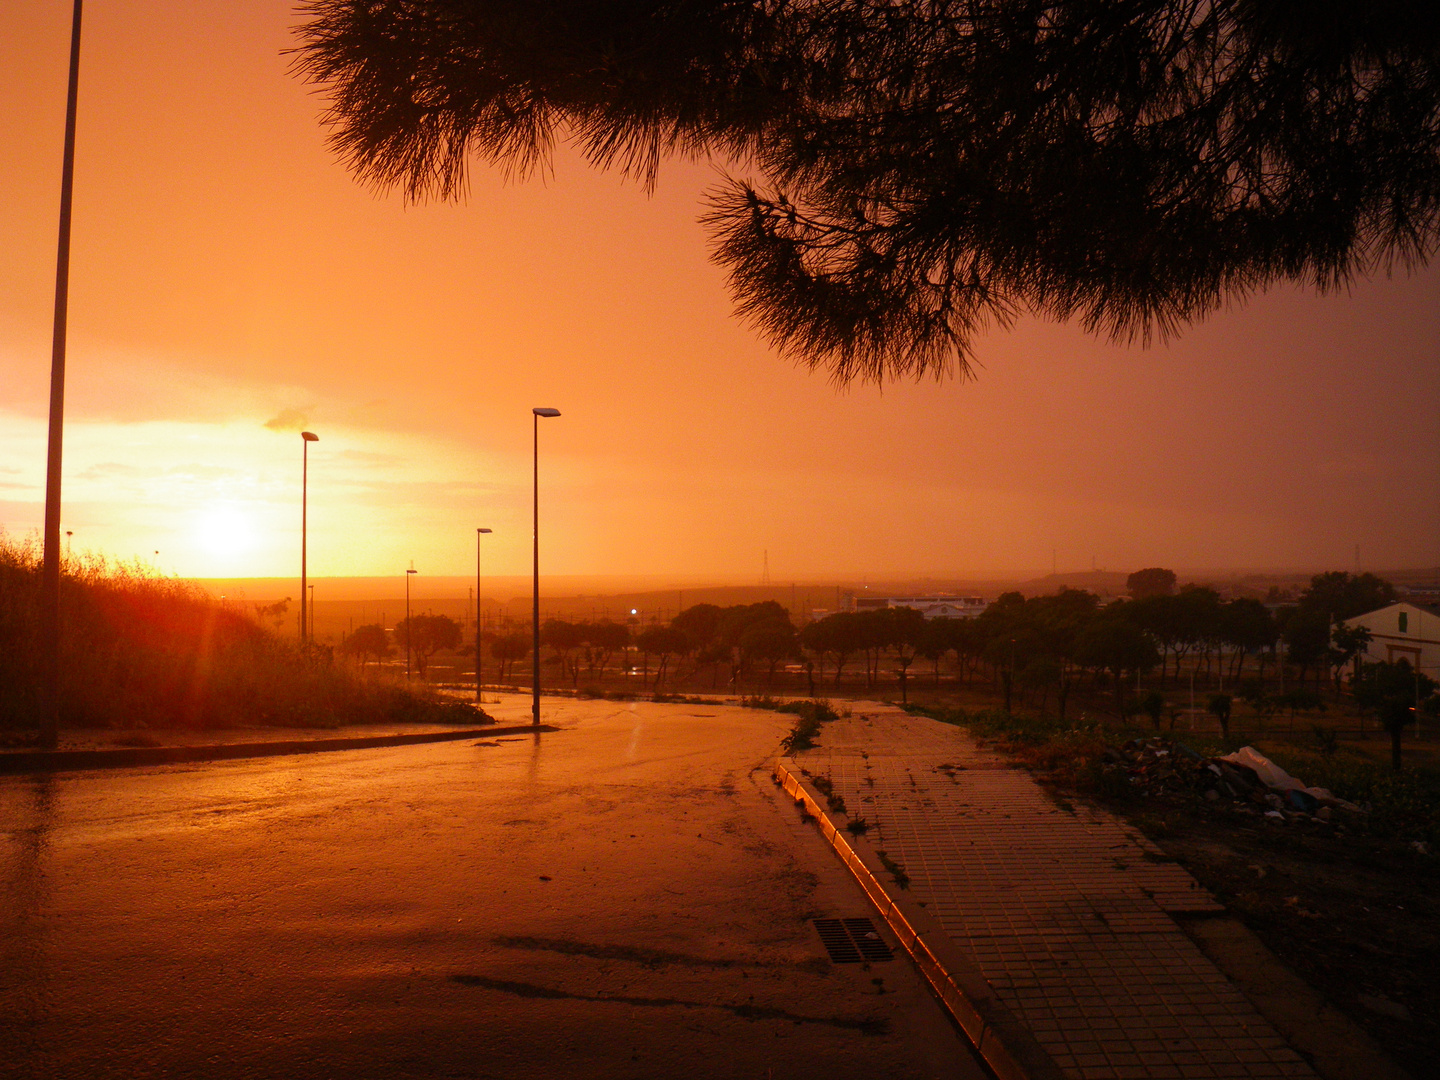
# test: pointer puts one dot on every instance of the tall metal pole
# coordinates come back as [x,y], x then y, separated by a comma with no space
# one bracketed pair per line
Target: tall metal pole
[306,438]
[304,532]
[50,567]
[535,582]
[478,683]
[407,623]
[535,585]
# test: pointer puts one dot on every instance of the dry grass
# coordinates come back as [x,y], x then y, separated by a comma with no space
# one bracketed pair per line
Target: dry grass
[140,650]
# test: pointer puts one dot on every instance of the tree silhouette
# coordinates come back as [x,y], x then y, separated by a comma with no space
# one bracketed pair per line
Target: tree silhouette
[1154,581]
[1391,691]
[368,640]
[427,635]
[507,649]
[929,169]
[1338,595]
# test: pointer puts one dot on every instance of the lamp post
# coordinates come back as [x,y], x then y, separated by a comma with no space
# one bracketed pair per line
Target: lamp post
[478,533]
[535,585]
[50,564]
[409,572]
[306,438]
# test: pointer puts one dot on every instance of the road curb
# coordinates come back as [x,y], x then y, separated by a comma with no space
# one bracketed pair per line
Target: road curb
[1002,1041]
[123,757]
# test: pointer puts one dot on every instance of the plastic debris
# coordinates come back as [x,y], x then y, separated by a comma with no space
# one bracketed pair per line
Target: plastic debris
[1245,781]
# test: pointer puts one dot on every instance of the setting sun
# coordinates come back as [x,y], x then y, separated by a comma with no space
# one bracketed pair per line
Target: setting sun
[225,531]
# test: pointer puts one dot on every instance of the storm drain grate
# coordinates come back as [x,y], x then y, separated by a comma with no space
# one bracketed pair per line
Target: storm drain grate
[849,941]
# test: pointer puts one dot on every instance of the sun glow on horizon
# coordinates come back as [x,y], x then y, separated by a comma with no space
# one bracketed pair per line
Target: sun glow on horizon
[226,532]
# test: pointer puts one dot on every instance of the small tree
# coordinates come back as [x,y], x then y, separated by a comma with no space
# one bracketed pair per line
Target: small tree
[563,638]
[907,635]
[662,642]
[507,649]
[1219,707]
[1391,692]
[425,635]
[1153,706]
[1346,643]
[273,613]
[367,641]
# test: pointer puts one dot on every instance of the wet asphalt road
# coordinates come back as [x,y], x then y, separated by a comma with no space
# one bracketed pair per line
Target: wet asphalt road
[627,897]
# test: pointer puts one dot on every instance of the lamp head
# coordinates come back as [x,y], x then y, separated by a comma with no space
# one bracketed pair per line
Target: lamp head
[412,571]
[546,412]
[484,530]
[309,436]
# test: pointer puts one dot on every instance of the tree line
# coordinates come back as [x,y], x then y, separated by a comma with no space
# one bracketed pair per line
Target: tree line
[1038,649]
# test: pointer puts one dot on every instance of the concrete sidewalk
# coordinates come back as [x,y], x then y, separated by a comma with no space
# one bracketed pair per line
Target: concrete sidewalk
[1057,922]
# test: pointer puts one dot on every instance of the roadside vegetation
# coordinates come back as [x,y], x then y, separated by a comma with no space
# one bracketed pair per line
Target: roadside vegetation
[143,651]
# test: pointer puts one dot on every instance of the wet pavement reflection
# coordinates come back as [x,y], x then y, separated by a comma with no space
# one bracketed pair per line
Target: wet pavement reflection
[628,896]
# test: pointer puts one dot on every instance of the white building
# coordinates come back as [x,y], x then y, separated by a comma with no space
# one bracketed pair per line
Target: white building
[932,607]
[1403,631]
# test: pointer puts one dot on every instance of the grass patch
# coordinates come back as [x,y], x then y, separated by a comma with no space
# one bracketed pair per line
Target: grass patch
[809,716]
[139,650]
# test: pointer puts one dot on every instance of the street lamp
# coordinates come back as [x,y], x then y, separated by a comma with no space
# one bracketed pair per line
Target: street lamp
[306,438]
[478,533]
[412,570]
[50,565]
[535,587]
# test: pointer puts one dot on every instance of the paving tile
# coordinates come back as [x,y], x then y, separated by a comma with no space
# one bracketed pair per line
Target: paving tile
[1067,915]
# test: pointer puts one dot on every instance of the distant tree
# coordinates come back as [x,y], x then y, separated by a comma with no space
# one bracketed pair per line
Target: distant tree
[601,641]
[1219,707]
[273,613]
[1112,643]
[1249,627]
[1339,596]
[699,624]
[1153,581]
[769,641]
[427,635]
[906,633]
[563,638]
[661,641]
[368,641]
[1059,620]
[1346,643]
[1307,639]
[935,641]
[736,620]
[836,635]
[1153,706]
[507,649]
[1392,692]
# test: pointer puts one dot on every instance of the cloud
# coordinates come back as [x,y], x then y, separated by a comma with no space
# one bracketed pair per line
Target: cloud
[287,420]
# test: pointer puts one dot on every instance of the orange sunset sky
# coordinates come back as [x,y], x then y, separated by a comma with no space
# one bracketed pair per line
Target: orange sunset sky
[231,282]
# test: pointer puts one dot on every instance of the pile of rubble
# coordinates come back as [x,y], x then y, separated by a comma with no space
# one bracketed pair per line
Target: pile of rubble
[1245,781]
